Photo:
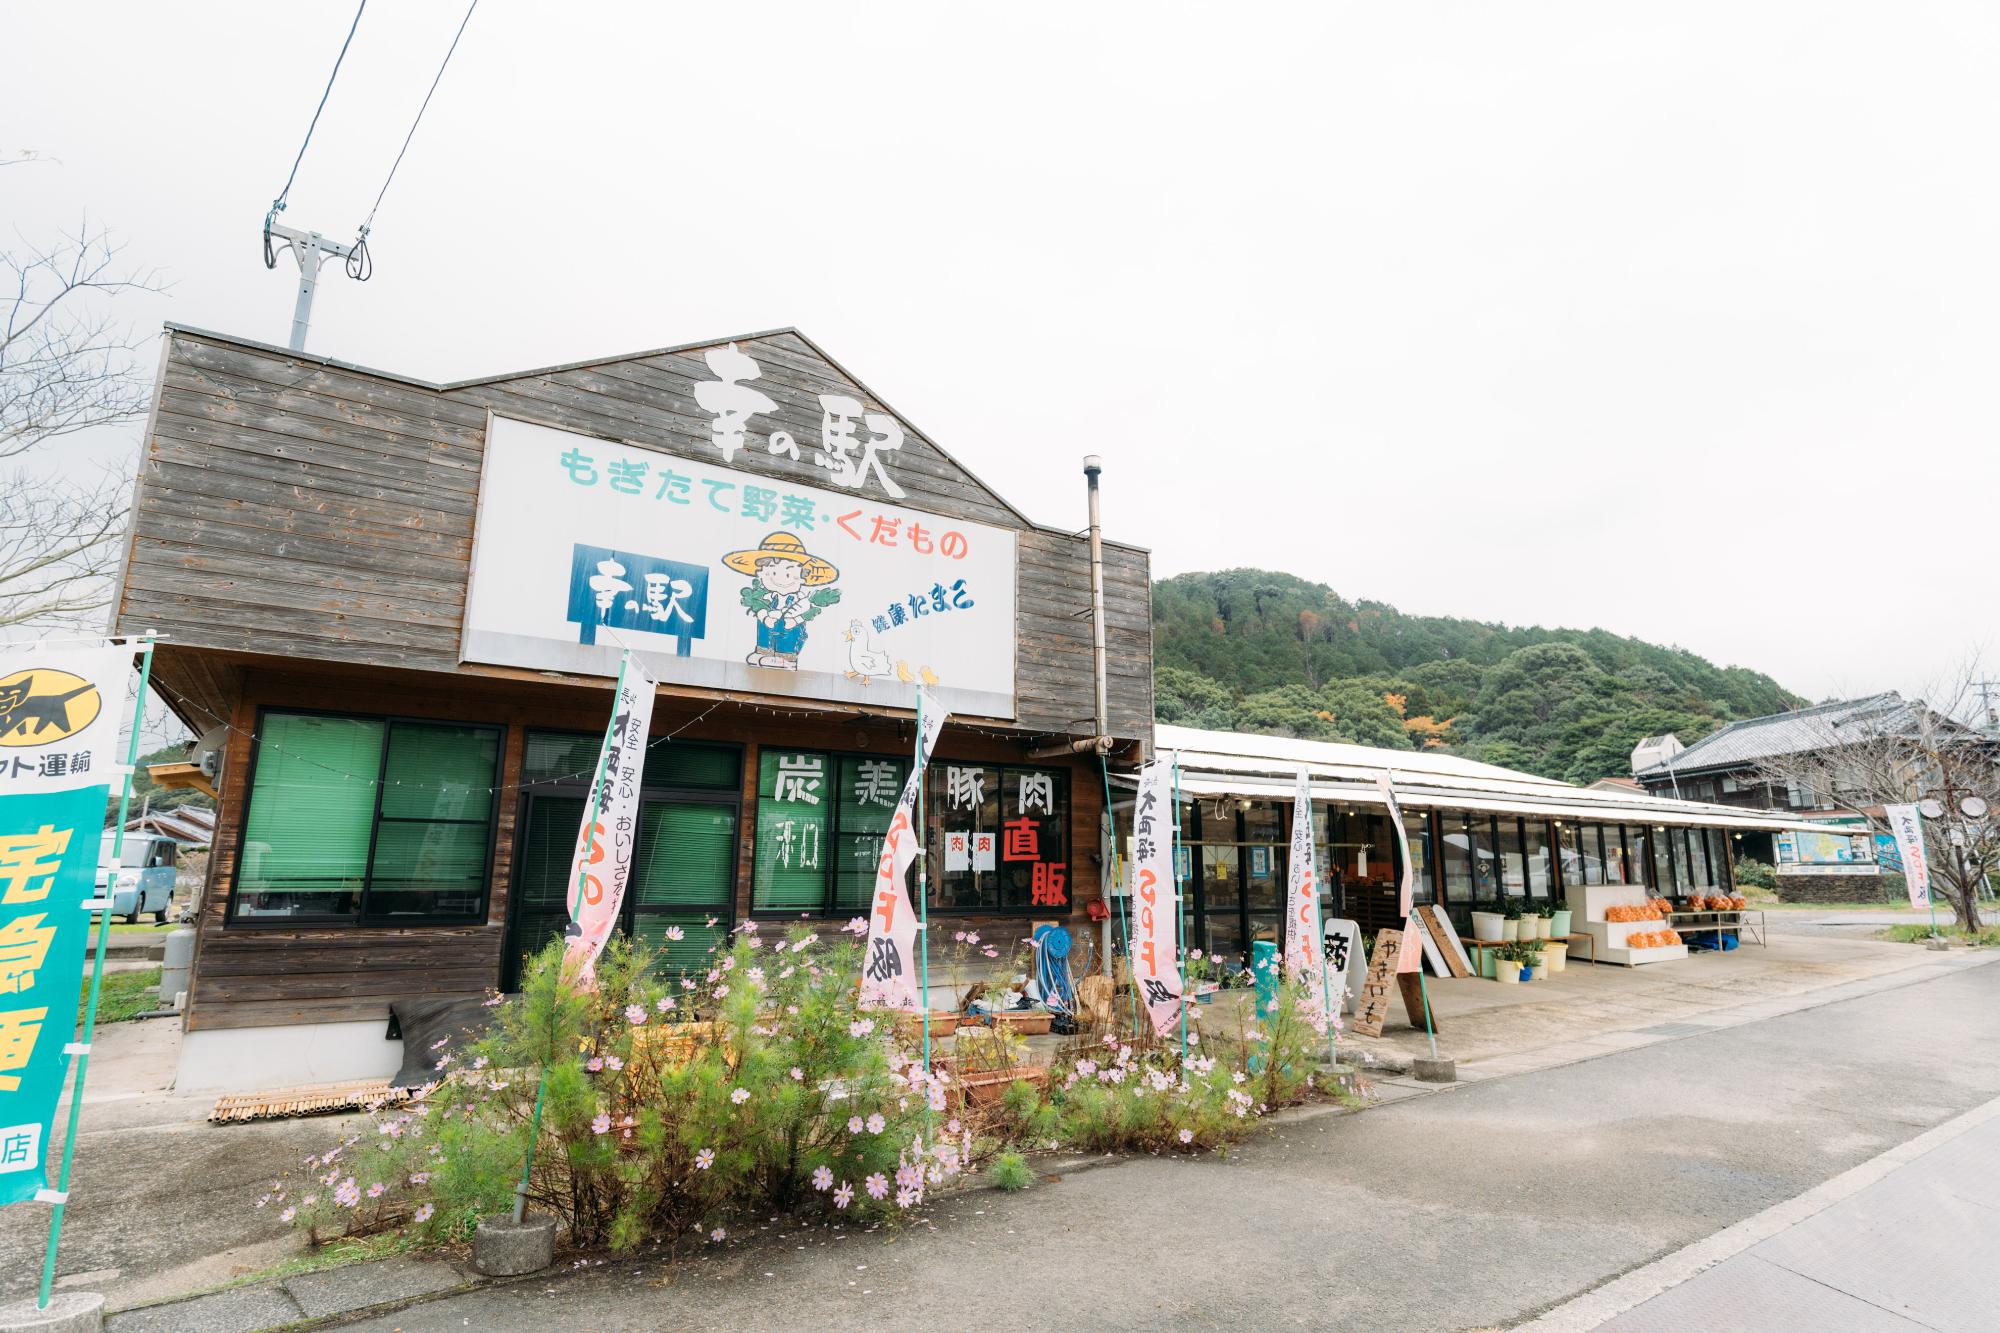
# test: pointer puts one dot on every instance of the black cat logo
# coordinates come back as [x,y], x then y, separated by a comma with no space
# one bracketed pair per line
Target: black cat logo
[41,705]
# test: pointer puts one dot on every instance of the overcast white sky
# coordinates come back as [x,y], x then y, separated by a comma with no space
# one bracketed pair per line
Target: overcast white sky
[1675,319]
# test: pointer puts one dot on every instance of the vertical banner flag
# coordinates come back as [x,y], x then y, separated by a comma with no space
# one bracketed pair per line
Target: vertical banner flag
[888,978]
[1155,952]
[1410,957]
[1304,945]
[59,751]
[610,830]
[1906,825]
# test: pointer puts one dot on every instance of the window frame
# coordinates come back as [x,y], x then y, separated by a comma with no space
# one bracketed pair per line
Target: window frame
[829,909]
[359,919]
[1065,797]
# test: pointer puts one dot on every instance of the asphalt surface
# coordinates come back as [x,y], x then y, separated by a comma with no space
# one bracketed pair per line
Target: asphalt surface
[1473,1208]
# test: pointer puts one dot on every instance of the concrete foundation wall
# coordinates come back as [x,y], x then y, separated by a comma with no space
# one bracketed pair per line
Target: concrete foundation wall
[221,1060]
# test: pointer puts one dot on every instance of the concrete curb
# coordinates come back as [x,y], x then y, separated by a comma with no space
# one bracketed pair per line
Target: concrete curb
[302,1298]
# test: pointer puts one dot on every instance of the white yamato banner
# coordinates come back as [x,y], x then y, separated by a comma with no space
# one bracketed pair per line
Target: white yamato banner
[610,830]
[1156,898]
[888,972]
[1906,823]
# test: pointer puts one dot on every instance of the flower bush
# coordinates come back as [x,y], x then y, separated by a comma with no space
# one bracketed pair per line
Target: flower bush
[755,1087]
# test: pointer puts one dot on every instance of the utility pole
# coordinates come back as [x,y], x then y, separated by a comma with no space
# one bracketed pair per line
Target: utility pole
[1989,716]
[310,249]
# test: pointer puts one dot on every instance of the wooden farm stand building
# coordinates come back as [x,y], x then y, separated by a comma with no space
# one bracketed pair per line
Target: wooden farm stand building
[391,609]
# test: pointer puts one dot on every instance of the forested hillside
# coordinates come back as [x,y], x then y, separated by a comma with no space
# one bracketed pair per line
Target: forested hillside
[1249,650]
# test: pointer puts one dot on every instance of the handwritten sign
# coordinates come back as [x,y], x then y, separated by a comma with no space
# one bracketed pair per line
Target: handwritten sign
[1378,985]
[1438,926]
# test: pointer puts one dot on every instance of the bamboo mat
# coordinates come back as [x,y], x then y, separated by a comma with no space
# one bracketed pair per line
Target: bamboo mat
[322,1099]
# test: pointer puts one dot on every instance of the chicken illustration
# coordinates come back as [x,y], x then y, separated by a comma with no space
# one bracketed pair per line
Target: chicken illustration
[928,676]
[903,673]
[863,659]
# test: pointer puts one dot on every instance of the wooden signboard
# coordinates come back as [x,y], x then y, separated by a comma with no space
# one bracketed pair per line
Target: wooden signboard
[1438,926]
[1413,1000]
[1378,985]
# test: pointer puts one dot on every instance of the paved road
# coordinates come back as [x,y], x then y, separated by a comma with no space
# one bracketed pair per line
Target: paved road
[1911,1250]
[1472,1208]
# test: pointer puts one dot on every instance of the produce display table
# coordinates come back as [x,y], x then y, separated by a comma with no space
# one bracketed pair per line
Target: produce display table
[1736,919]
[1476,947]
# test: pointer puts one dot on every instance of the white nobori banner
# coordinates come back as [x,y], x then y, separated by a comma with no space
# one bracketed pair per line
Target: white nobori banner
[889,964]
[1156,898]
[1906,825]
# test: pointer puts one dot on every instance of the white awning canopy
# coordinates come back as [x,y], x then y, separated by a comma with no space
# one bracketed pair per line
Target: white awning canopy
[1222,763]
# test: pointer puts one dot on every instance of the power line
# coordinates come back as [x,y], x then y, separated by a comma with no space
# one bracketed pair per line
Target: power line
[278,204]
[359,266]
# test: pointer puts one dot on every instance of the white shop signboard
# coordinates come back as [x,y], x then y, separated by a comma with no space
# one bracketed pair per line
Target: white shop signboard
[731,580]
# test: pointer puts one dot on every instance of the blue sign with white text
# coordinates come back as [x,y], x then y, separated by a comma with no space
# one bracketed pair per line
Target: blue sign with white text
[636,592]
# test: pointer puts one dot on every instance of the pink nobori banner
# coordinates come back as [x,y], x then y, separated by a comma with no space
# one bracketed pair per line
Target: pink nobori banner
[888,965]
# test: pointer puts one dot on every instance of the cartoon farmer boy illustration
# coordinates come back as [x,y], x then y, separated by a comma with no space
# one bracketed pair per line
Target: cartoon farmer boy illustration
[780,571]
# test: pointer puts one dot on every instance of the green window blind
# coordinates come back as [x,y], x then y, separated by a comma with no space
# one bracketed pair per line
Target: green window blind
[691,953]
[440,772]
[306,832]
[870,787]
[686,764]
[794,809]
[551,756]
[684,855]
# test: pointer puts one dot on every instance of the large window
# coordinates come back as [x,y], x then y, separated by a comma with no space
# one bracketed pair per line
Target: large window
[1004,837]
[1540,875]
[359,820]
[820,821]
[679,896]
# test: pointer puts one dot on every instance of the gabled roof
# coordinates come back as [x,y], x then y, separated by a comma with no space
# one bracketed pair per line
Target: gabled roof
[1821,727]
[1229,763]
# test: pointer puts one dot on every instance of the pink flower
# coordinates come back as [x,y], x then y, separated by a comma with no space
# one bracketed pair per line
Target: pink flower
[375,1190]
[664,1004]
[861,1027]
[596,1062]
[858,926]
[601,1125]
[854,1124]
[704,1159]
[291,1213]
[878,1186]
[798,1074]
[1195,954]
[634,1015]
[958,934]
[676,933]
[822,1178]
[972,937]
[951,1127]
[423,1214]
[612,1062]
[740,1096]
[712,920]
[718,1233]
[841,1197]
[990,952]
[876,1123]
[722,992]
[1187,1136]
[909,1197]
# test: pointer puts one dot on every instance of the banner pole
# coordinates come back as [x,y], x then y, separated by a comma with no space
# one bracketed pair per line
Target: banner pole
[1124,906]
[590,816]
[923,895]
[96,982]
[1180,907]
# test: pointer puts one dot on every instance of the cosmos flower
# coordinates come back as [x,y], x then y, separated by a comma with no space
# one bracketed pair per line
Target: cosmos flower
[861,1027]
[722,992]
[740,1096]
[854,1124]
[601,1125]
[1187,1136]
[594,1063]
[878,1186]
[822,1178]
[876,1123]
[375,1190]
[841,1197]
[291,1213]
[717,1234]
[798,1074]
[423,1214]
[704,1159]
[664,1004]
[634,1015]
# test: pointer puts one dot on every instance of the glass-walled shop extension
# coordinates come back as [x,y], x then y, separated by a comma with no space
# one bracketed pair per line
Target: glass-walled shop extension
[1234,864]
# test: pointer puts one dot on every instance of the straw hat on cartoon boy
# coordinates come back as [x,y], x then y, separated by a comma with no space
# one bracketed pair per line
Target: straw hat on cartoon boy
[783,546]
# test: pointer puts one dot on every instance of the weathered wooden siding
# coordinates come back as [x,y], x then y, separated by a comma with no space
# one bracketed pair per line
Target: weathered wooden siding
[292,506]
